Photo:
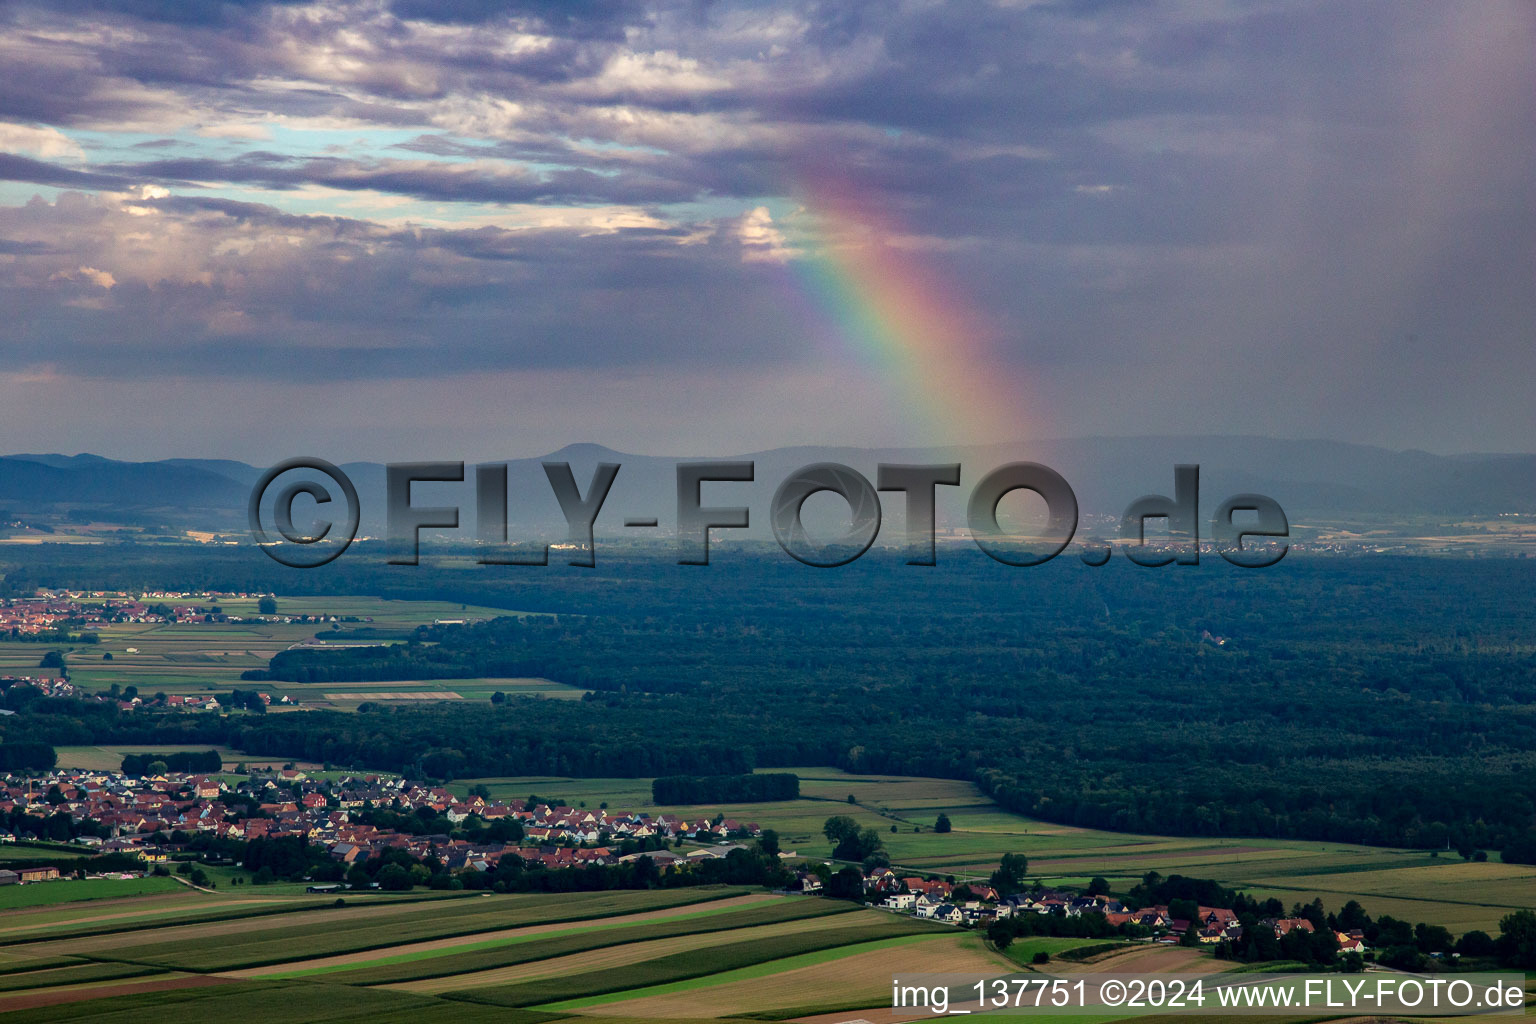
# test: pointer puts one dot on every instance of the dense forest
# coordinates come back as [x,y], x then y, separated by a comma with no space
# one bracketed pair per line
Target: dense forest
[1380,700]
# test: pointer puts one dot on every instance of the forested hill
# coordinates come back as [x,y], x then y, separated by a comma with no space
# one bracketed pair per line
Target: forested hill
[1383,700]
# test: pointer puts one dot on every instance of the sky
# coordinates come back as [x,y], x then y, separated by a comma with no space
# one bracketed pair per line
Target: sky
[464,229]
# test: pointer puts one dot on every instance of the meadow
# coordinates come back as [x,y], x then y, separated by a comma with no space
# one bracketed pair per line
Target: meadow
[351,929]
[43,894]
[709,955]
[351,962]
[197,658]
[1416,885]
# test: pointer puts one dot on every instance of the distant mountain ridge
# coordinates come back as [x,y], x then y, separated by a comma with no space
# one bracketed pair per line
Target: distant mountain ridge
[1307,477]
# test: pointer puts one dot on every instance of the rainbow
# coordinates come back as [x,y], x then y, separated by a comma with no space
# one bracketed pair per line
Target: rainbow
[909,324]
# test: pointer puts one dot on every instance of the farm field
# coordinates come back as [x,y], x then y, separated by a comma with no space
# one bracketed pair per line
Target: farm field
[858,980]
[22,853]
[353,928]
[196,658]
[342,963]
[110,758]
[69,890]
[1409,884]
[469,955]
[707,955]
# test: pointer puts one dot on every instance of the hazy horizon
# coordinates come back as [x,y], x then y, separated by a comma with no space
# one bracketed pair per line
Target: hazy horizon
[427,451]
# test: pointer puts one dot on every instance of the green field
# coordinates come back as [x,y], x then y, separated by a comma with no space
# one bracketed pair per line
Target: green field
[163,974]
[515,949]
[110,758]
[25,853]
[1411,884]
[703,955]
[72,890]
[70,975]
[571,989]
[198,658]
[353,929]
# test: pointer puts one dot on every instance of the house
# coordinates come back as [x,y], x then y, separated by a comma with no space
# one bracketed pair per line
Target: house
[948,913]
[1350,942]
[935,888]
[900,901]
[8,877]
[37,874]
[1285,925]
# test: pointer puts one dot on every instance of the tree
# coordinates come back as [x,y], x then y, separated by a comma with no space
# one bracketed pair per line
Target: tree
[394,878]
[1009,876]
[1517,939]
[1477,943]
[1098,885]
[839,828]
[1432,938]
[875,860]
[768,843]
[267,606]
[847,884]
[942,825]
[858,847]
[53,659]
[1353,916]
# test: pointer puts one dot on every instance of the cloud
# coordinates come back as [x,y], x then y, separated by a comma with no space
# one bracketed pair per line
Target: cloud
[760,240]
[37,172]
[87,275]
[381,188]
[48,143]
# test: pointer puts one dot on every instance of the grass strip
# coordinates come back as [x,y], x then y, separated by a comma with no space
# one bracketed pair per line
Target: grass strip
[74,974]
[518,949]
[39,963]
[750,972]
[568,991]
[270,946]
[49,932]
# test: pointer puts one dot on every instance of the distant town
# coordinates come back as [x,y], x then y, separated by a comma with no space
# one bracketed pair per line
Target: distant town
[155,815]
[160,814]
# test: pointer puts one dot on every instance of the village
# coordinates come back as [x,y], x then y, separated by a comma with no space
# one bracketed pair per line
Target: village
[157,815]
[144,815]
[981,905]
[49,611]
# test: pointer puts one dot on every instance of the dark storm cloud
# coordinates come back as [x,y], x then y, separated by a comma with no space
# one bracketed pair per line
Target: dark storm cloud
[426,180]
[179,12]
[605,19]
[38,172]
[225,300]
